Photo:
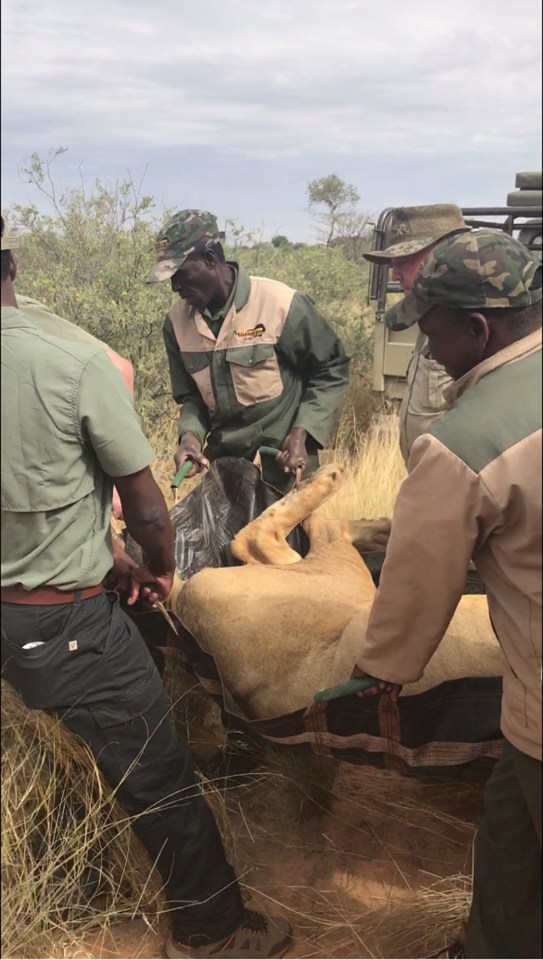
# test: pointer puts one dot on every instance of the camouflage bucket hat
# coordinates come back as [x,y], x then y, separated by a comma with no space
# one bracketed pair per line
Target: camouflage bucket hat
[189,231]
[411,229]
[476,270]
[10,239]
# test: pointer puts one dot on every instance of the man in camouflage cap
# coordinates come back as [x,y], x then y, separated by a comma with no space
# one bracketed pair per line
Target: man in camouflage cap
[186,233]
[474,492]
[252,362]
[411,233]
[481,270]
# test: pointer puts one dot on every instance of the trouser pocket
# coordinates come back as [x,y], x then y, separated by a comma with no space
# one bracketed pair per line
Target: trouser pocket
[48,652]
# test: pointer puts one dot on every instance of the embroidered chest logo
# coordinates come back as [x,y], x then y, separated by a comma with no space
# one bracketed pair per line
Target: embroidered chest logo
[254,332]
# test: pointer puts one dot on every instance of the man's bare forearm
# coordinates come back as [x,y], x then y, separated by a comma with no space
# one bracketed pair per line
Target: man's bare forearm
[147,519]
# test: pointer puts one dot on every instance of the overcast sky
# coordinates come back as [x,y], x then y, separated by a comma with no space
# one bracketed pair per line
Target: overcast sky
[234,105]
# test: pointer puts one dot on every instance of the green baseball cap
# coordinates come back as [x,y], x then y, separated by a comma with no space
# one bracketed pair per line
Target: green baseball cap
[189,231]
[470,271]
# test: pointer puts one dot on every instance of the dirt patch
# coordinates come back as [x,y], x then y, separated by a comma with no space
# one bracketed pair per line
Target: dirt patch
[383,872]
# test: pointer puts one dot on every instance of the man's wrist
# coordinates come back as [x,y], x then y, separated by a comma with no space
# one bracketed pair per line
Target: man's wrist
[159,571]
[188,433]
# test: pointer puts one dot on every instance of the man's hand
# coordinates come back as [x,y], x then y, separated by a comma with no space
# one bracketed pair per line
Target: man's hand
[118,578]
[157,586]
[190,448]
[381,686]
[293,454]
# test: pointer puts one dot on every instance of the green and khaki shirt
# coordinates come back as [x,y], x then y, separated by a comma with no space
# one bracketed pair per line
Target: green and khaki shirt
[269,362]
[473,491]
[68,429]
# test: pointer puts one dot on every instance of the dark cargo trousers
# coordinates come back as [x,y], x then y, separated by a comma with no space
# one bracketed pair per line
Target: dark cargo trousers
[92,668]
[505,916]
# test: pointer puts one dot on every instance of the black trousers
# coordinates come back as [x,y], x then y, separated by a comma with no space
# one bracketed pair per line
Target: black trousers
[505,916]
[91,667]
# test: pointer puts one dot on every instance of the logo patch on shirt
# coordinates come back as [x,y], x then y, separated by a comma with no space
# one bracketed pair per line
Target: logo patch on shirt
[72,645]
[253,332]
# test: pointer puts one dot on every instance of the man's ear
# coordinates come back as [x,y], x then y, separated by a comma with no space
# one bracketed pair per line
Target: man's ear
[479,329]
[12,267]
[210,260]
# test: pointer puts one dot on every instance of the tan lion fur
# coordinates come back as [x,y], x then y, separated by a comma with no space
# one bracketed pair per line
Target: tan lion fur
[282,627]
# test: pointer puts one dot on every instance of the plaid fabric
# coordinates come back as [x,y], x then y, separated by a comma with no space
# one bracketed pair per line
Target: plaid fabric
[454,723]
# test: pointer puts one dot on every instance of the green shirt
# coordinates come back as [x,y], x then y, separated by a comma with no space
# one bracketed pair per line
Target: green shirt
[51,323]
[68,429]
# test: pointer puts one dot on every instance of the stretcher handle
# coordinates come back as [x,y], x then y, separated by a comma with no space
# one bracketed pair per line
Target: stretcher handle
[344,689]
[268,451]
[181,474]
[272,452]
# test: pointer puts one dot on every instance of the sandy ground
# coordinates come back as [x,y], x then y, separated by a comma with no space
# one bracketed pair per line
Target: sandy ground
[383,872]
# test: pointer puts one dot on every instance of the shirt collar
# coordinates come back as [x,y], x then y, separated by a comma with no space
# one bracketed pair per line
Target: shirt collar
[238,295]
[514,351]
[13,318]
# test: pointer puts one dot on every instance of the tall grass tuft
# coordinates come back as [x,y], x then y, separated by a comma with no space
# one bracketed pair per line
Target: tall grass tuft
[374,470]
[70,861]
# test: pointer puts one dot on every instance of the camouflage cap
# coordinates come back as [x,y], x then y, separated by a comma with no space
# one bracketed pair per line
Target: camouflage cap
[411,229]
[473,271]
[188,231]
[10,239]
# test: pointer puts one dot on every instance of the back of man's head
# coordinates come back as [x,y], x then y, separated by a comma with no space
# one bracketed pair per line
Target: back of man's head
[7,246]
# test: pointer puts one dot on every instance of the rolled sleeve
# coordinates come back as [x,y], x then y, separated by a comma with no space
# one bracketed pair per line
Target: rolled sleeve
[108,422]
[441,511]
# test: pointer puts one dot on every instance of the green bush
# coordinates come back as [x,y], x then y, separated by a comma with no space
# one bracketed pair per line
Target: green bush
[88,259]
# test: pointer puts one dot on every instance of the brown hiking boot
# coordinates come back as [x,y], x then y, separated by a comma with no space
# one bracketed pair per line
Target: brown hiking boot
[257,937]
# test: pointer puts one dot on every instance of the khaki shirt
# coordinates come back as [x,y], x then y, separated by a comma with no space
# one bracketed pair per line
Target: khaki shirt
[473,492]
[68,429]
[424,401]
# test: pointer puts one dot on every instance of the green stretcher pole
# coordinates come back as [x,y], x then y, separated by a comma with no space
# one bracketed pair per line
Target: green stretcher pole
[181,474]
[344,689]
[268,451]
[183,471]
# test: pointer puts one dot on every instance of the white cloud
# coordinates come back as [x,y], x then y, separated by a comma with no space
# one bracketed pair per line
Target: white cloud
[288,81]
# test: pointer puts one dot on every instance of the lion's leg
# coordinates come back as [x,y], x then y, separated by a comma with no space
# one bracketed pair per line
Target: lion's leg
[368,535]
[264,539]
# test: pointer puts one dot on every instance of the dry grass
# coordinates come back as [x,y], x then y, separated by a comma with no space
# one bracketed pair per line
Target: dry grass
[69,858]
[374,470]
[380,871]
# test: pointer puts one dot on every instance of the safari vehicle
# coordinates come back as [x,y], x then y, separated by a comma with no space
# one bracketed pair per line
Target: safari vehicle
[521,218]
